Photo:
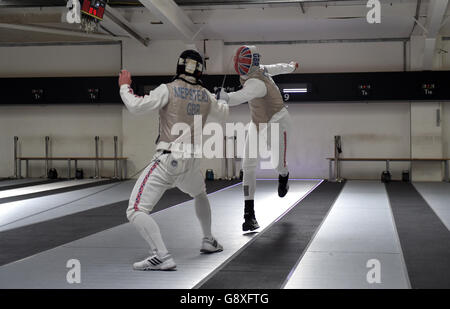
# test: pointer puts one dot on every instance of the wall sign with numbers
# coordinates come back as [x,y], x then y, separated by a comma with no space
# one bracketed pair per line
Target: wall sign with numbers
[365,90]
[294,91]
[429,89]
[295,88]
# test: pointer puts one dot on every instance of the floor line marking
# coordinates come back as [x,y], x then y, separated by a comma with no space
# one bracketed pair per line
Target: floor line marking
[429,205]
[221,266]
[62,205]
[397,238]
[66,244]
[294,268]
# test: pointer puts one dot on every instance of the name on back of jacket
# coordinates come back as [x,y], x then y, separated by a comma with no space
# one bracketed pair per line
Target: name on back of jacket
[190,94]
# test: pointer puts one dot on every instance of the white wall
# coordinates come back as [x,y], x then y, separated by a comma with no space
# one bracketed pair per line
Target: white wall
[160,58]
[366,129]
[331,57]
[446,129]
[41,61]
[71,129]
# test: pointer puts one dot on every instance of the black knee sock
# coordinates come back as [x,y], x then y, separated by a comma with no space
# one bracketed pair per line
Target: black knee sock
[249,209]
[283,179]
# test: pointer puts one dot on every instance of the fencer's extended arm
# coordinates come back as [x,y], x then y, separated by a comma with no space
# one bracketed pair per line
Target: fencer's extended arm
[253,88]
[155,100]
[219,109]
[280,68]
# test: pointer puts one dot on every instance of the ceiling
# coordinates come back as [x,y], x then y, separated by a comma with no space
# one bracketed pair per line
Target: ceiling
[231,21]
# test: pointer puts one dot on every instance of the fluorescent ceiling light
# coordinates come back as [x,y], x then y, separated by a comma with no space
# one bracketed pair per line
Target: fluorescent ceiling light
[295,90]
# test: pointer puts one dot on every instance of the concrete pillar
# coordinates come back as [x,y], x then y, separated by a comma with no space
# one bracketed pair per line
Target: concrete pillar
[417,50]
[426,140]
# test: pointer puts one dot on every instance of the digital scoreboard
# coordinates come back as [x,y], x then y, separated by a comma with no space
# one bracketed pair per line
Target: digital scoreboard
[94,8]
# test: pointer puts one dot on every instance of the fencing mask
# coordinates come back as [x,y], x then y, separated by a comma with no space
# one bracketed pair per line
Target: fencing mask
[246,60]
[190,63]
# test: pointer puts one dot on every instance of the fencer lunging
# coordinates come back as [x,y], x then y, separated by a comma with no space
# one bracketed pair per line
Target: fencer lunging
[173,165]
[266,107]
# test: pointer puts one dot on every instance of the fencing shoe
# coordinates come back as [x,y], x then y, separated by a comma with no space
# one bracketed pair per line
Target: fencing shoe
[155,262]
[210,245]
[250,223]
[283,186]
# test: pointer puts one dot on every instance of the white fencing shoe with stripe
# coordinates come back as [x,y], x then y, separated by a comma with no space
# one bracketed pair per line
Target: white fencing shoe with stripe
[210,245]
[155,262]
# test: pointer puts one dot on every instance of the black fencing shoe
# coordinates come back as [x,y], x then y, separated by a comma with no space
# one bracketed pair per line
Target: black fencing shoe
[250,223]
[283,186]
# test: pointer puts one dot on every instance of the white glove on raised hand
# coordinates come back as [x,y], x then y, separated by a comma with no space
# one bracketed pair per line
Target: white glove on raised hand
[223,96]
[294,64]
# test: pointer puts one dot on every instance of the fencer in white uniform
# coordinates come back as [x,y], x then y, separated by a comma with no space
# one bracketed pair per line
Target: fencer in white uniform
[174,164]
[266,107]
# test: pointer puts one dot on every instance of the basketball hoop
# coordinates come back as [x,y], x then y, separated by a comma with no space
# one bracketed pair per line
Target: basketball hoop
[88,24]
